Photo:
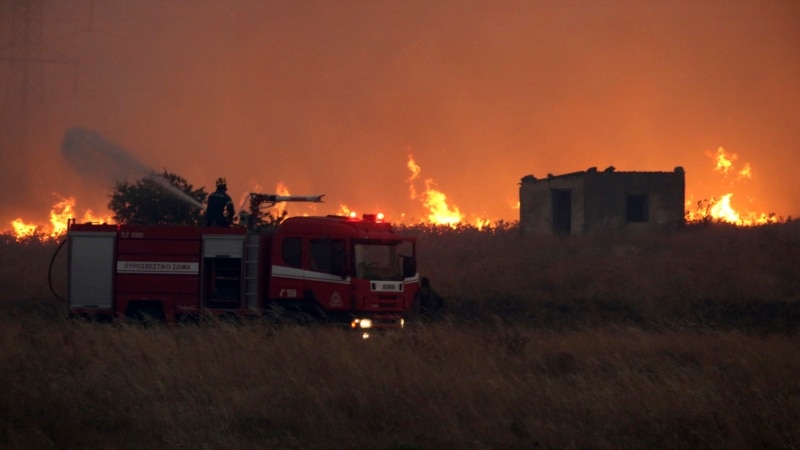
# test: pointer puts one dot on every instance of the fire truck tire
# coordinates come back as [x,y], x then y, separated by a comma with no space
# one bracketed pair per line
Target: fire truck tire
[146,312]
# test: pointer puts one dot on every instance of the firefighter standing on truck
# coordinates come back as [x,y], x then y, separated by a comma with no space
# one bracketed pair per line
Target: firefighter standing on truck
[219,211]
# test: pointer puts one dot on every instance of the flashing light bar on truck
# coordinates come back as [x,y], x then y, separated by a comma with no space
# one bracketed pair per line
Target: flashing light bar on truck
[377,218]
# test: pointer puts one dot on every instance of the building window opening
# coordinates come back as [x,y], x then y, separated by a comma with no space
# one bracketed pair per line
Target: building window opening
[636,208]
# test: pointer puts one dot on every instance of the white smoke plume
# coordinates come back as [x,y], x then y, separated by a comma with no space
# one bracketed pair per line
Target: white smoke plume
[94,156]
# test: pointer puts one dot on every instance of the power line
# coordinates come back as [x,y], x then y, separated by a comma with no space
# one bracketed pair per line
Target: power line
[24,102]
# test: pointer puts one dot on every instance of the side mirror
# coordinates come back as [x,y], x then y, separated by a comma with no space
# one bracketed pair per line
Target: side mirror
[409,266]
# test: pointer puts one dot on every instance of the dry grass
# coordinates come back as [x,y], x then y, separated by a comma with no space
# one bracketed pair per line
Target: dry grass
[600,342]
[711,275]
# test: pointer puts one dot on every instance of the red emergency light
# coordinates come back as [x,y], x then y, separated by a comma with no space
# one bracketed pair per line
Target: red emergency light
[373,217]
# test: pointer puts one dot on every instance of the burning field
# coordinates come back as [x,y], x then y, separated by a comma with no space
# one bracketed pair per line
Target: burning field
[429,203]
[63,211]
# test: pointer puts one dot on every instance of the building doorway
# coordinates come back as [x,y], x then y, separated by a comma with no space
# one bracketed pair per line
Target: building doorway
[562,211]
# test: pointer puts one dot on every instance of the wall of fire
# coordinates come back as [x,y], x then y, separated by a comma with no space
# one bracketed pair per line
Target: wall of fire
[592,200]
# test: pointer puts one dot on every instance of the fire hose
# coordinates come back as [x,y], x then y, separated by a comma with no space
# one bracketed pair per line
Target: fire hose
[50,271]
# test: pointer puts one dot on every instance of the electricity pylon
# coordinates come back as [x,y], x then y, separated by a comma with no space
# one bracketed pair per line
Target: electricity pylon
[23,104]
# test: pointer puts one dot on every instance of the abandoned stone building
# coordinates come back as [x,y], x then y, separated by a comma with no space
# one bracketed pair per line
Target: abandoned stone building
[592,200]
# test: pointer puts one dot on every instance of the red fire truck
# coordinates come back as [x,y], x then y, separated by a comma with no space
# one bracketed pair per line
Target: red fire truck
[349,270]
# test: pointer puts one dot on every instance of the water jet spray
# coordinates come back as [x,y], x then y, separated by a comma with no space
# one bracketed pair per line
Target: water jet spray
[94,156]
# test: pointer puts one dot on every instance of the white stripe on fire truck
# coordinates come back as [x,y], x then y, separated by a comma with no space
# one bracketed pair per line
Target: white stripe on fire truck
[300,274]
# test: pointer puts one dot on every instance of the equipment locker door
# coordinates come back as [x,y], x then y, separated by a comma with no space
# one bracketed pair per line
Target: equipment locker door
[91,270]
[222,271]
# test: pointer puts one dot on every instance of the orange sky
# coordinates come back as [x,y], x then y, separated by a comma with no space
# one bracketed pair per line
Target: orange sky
[331,97]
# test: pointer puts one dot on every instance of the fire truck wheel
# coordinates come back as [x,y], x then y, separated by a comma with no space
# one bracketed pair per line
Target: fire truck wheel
[147,313]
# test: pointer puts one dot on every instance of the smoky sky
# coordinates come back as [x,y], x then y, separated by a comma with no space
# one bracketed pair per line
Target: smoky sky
[94,157]
[331,97]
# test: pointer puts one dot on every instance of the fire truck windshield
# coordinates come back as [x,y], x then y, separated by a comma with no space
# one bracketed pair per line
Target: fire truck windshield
[381,261]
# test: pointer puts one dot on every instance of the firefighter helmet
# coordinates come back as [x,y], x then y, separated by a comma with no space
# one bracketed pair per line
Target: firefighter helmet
[221,182]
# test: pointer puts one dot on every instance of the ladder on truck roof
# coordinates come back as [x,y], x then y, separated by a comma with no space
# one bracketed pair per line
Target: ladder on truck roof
[251,271]
[257,219]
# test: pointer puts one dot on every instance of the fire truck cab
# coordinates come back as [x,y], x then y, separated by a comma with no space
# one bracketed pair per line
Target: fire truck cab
[355,271]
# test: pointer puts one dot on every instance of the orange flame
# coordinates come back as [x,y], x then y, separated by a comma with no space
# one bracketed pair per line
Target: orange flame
[480,223]
[60,214]
[439,212]
[344,210]
[746,172]
[720,209]
[415,169]
[280,207]
[724,162]
[23,230]
[281,189]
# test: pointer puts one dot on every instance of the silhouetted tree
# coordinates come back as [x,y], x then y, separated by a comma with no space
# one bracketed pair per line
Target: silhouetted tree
[157,199]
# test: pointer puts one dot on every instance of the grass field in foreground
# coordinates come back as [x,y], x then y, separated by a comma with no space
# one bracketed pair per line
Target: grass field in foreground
[68,384]
[676,340]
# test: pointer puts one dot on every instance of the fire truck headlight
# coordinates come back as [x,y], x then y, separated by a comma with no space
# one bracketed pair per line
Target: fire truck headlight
[361,323]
